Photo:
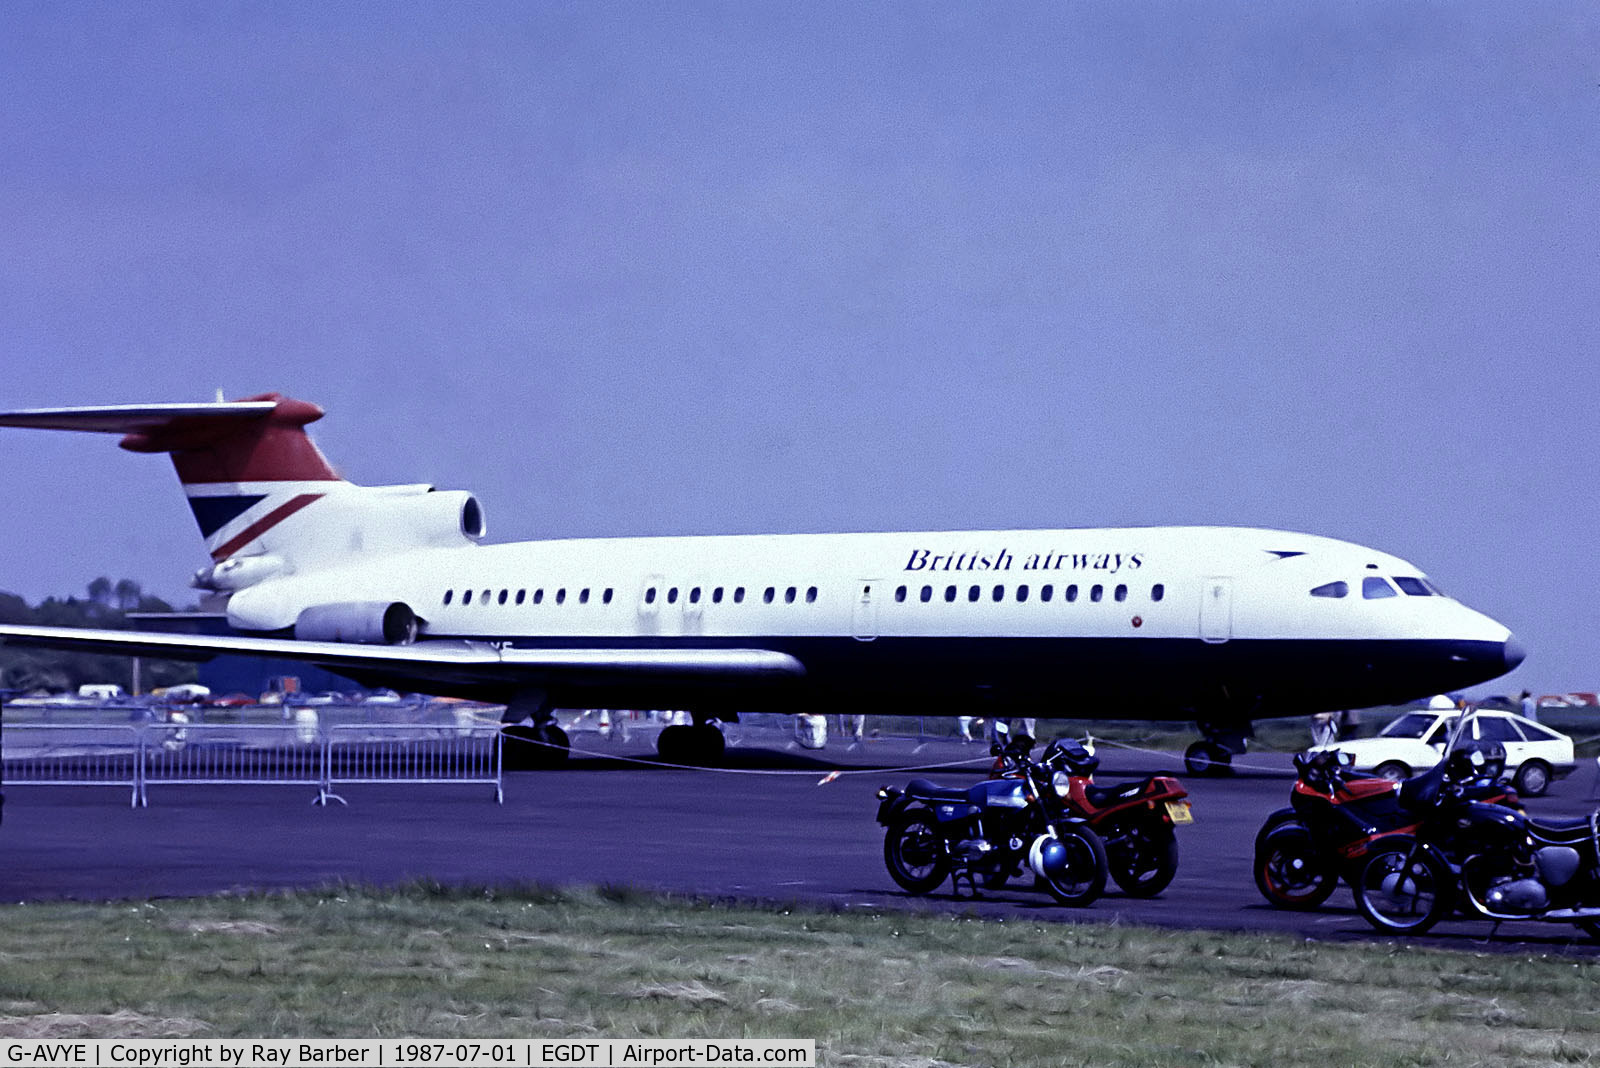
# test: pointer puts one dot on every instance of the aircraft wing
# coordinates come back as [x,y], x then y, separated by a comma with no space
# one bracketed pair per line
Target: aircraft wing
[446,663]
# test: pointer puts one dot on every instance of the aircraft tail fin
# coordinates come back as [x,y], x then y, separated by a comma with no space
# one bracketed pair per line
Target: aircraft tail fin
[266,500]
[245,465]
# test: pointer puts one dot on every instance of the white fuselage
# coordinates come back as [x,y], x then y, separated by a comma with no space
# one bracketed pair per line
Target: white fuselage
[954,618]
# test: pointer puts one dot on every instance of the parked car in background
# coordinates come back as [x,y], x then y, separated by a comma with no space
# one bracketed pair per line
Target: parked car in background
[1535,754]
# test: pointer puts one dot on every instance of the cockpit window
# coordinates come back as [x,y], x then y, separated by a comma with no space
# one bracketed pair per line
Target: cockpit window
[1373,587]
[1331,589]
[1415,587]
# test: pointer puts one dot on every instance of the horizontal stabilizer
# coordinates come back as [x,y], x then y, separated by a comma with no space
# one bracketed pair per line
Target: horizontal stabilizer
[135,418]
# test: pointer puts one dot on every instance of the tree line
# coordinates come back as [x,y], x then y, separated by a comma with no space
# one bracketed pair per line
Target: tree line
[106,606]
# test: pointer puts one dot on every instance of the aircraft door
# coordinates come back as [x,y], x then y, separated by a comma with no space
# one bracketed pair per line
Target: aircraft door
[864,616]
[1216,609]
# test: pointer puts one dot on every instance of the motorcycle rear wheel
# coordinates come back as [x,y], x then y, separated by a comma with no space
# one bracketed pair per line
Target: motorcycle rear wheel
[913,851]
[1402,889]
[1289,870]
[1144,859]
[1082,878]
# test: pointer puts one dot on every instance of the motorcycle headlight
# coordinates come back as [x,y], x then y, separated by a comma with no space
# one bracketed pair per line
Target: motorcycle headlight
[1062,782]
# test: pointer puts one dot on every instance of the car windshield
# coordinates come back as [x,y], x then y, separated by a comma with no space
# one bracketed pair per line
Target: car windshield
[1410,725]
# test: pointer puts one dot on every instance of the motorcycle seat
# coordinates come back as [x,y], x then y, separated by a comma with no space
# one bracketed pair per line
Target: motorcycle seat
[1561,830]
[1102,796]
[930,791]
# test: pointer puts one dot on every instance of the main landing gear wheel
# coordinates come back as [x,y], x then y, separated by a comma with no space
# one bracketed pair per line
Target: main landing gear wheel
[1208,758]
[529,747]
[701,745]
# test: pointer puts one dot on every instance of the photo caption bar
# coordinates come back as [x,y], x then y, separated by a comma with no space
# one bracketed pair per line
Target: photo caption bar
[406,1053]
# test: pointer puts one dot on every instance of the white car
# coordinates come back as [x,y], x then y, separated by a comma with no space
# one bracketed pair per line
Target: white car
[1415,742]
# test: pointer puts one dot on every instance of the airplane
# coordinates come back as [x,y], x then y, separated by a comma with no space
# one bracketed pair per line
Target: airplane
[394,586]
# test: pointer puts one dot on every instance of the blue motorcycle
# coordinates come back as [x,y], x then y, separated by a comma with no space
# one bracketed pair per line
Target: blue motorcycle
[990,832]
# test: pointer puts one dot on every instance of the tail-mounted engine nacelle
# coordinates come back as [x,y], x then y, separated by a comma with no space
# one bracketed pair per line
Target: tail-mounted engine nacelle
[399,518]
[367,622]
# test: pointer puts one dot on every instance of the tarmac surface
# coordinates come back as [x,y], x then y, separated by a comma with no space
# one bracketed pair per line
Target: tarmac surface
[764,829]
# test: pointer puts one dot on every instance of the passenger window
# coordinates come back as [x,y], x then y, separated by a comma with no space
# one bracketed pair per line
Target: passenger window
[999,594]
[1157,592]
[811,595]
[466,597]
[606,599]
[1022,594]
[1413,587]
[522,595]
[974,593]
[1331,589]
[788,595]
[716,595]
[1096,592]
[1046,592]
[694,595]
[672,596]
[448,594]
[1072,592]
[900,595]
[927,594]
[583,598]
[1374,588]
[1121,593]
[738,595]
[649,597]
[561,595]
[949,593]
[766,598]
[503,595]
[485,597]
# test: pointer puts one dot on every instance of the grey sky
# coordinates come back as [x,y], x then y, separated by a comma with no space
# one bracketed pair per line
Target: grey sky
[695,268]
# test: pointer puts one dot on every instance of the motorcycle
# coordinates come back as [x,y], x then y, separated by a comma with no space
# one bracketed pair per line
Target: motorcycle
[1334,821]
[1135,820]
[989,832]
[1491,861]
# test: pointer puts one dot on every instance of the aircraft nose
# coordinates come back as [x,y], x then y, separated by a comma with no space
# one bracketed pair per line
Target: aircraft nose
[1514,652]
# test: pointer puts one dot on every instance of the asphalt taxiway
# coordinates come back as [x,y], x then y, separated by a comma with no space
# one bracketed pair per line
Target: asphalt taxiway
[766,828]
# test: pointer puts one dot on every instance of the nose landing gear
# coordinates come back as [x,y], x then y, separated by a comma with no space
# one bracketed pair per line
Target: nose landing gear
[1214,753]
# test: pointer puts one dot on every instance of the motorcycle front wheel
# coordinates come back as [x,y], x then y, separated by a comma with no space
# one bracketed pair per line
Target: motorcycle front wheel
[1290,872]
[1144,859]
[1078,876]
[1403,889]
[913,851]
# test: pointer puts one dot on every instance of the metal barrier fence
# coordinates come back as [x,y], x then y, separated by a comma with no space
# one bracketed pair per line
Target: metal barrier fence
[367,753]
[168,754]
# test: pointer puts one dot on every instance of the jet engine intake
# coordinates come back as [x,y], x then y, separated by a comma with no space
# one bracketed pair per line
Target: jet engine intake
[365,622]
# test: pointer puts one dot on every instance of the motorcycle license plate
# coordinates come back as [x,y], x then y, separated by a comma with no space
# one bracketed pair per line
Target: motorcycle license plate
[1179,812]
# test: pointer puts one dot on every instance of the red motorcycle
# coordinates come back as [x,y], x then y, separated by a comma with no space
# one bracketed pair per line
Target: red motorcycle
[1334,820]
[1136,819]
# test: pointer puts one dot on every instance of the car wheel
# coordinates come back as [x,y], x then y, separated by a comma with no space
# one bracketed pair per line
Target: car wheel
[1533,778]
[1392,770]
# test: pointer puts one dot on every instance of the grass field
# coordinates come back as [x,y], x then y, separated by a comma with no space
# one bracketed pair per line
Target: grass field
[870,988]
